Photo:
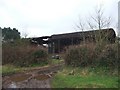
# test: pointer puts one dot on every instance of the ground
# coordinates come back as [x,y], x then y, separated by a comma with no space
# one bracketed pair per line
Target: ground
[59,76]
[38,77]
[87,77]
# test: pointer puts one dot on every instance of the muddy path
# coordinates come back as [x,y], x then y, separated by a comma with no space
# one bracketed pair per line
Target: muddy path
[34,78]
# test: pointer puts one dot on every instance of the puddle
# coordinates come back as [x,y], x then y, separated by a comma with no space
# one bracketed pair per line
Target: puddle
[42,77]
[13,85]
[19,78]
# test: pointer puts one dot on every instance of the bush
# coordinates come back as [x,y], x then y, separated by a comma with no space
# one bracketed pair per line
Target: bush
[109,56]
[92,55]
[40,56]
[81,55]
[21,53]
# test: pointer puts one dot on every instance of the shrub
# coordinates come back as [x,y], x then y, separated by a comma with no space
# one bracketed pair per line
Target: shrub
[92,55]
[81,55]
[40,56]
[21,53]
[109,56]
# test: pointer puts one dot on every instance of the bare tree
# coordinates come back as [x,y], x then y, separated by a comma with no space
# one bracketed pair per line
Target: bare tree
[99,21]
[81,26]
[96,21]
[25,34]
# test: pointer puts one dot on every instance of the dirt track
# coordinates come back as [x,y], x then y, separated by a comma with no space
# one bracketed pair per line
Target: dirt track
[35,78]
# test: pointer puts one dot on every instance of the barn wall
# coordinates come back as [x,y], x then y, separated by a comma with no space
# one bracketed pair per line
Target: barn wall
[61,41]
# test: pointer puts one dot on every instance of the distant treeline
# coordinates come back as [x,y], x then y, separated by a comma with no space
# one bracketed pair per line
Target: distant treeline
[9,34]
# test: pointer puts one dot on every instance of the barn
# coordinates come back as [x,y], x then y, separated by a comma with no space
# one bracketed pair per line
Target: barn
[57,42]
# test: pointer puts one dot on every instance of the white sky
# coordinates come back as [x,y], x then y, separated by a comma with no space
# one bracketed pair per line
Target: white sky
[47,17]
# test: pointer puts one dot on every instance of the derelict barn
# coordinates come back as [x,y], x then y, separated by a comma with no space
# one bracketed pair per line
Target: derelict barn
[57,43]
[40,40]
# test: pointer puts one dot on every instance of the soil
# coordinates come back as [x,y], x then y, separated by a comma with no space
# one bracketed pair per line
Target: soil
[35,78]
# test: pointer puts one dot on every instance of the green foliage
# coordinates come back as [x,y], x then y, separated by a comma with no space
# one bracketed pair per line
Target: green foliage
[40,56]
[85,78]
[79,55]
[108,56]
[10,34]
[21,53]
[55,61]
[92,55]
[9,70]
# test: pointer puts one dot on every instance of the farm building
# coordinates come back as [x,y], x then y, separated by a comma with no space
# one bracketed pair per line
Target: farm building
[56,43]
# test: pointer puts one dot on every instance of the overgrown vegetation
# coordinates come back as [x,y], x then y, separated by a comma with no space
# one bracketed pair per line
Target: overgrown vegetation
[55,61]
[85,78]
[22,53]
[9,69]
[89,66]
[93,55]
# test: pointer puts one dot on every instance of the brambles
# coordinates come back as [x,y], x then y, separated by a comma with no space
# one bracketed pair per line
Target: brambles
[21,53]
[92,55]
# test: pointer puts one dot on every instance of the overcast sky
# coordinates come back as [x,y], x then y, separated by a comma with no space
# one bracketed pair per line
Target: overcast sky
[47,17]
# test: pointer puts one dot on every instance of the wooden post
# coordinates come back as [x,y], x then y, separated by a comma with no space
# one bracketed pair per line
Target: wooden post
[53,47]
[72,40]
[58,45]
